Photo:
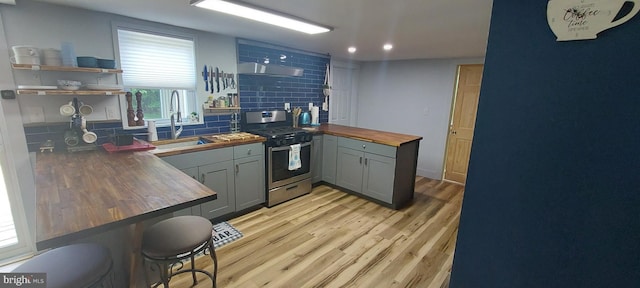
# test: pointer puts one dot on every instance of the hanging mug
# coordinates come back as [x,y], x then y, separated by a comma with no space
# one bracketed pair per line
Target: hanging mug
[584,19]
[67,109]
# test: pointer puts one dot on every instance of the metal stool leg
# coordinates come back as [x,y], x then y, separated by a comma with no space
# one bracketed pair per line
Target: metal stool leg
[193,269]
[212,253]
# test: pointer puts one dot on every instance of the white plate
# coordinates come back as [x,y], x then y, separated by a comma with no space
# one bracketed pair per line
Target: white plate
[103,87]
[37,87]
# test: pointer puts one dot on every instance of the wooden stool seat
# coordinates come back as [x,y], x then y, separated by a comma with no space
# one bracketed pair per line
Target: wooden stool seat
[77,265]
[171,241]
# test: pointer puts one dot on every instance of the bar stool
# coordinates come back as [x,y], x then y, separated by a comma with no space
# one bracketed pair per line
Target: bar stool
[170,242]
[77,265]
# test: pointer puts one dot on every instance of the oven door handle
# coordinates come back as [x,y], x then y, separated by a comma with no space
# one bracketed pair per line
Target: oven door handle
[282,148]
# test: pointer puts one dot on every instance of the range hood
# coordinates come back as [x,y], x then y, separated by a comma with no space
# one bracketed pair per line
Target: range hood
[252,68]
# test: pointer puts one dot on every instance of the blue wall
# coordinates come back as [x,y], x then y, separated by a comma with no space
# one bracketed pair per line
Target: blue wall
[552,198]
[265,93]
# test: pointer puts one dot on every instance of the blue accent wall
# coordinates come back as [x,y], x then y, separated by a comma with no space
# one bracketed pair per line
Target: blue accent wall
[259,92]
[552,197]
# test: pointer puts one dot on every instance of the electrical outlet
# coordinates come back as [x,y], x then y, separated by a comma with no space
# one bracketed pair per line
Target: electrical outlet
[111,113]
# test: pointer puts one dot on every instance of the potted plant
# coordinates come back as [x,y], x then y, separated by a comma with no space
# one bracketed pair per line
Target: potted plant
[326,89]
[193,118]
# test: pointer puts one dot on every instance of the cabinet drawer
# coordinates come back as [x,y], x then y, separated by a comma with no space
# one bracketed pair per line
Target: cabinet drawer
[248,150]
[370,147]
[199,158]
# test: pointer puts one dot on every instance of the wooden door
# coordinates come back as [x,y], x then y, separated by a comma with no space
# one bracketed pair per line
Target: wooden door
[463,119]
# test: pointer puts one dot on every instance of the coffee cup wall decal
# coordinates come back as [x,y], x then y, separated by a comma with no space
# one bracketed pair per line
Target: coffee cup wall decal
[584,19]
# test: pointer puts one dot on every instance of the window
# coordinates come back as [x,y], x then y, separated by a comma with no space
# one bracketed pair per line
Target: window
[155,64]
[13,234]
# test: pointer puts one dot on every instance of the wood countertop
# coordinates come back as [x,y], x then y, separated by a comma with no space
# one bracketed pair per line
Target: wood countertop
[84,193]
[369,135]
[217,141]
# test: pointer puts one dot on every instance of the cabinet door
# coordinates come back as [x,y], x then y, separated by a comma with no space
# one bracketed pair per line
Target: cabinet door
[329,157]
[349,169]
[194,210]
[218,177]
[379,174]
[249,182]
[316,159]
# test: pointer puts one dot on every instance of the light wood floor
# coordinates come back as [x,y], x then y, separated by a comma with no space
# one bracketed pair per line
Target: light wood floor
[333,239]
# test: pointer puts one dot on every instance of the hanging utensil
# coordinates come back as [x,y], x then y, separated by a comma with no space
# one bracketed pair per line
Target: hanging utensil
[233,81]
[205,74]
[211,78]
[217,79]
[224,85]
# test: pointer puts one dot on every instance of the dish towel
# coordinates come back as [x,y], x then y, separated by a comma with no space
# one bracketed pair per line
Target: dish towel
[294,157]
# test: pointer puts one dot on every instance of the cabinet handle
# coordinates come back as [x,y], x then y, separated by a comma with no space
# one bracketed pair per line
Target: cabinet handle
[360,160]
[237,169]
[364,146]
[365,161]
[249,152]
[202,178]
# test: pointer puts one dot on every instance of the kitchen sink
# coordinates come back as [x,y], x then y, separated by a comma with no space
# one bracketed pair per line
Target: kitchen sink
[181,144]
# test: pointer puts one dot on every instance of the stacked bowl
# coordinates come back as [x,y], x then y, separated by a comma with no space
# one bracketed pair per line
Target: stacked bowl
[25,54]
[51,57]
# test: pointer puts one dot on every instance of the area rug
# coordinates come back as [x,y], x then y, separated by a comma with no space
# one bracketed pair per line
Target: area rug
[224,233]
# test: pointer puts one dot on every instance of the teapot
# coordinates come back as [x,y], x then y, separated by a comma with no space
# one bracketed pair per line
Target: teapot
[584,19]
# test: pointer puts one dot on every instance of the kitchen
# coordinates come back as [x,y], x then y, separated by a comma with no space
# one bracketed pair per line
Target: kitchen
[101,46]
[434,68]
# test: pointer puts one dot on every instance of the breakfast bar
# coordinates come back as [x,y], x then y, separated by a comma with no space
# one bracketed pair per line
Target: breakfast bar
[83,194]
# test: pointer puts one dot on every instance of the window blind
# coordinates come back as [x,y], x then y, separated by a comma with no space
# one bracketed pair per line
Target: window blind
[155,61]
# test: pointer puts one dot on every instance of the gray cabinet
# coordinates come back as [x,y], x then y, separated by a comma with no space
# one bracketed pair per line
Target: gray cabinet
[235,173]
[329,158]
[250,188]
[316,159]
[367,168]
[218,177]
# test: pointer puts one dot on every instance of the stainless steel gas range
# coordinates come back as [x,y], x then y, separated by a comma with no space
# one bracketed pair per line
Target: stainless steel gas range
[285,179]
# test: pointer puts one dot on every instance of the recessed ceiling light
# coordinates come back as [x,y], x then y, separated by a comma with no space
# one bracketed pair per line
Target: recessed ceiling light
[261,14]
[387,47]
[352,49]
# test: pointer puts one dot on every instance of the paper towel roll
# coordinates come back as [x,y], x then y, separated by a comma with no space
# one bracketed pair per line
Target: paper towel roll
[153,133]
[315,113]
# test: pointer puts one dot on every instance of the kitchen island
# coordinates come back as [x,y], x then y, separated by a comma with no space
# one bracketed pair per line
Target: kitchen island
[84,194]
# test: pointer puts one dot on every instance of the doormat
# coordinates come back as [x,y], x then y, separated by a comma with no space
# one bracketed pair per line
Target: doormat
[224,233]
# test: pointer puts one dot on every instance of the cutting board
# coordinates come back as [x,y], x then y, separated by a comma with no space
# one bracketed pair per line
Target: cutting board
[232,137]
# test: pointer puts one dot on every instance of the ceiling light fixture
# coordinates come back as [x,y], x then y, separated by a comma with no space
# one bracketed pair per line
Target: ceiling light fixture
[261,14]
[352,49]
[387,47]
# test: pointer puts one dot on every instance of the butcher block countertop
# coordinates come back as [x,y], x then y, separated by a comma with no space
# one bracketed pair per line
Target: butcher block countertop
[216,141]
[369,135]
[85,193]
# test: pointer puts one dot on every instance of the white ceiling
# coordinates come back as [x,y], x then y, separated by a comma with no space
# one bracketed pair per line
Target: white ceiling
[418,29]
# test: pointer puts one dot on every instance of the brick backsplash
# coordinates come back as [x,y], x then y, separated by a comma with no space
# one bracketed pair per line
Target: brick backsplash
[256,93]
[213,124]
[264,92]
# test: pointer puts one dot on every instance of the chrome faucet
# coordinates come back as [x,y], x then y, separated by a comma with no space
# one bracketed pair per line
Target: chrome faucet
[174,133]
